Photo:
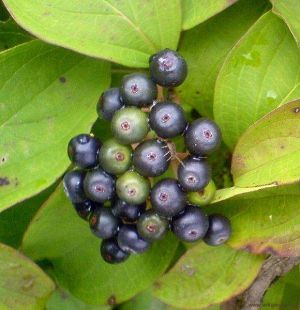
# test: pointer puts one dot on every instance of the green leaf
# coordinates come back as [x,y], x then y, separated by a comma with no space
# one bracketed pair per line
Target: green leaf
[257,75]
[197,11]
[207,275]
[289,10]
[127,32]
[206,46]
[269,151]
[264,221]
[47,95]
[74,252]
[23,285]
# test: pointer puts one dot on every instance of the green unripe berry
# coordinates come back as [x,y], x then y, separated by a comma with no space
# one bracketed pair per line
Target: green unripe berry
[130,125]
[114,157]
[204,197]
[133,188]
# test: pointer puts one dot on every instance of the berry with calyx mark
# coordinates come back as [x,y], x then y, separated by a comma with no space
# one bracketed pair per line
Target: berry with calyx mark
[151,158]
[109,102]
[130,241]
[167,119]
[202,137]
[114,157]
[73,186]
[83,151]
[111,252]
[138,90]
[190,225]
[130,125]
[167,198]
[167,68]
[204,197]
[103,223]
[194,174]
[133,188]
[127,212]
[219,230]
[99,186]
[151,226]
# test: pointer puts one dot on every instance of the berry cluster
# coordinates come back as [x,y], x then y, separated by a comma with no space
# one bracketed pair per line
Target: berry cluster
[112,187]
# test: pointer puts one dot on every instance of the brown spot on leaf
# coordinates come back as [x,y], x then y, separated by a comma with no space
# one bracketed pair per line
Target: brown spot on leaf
[296,110]
[187,269]
[62,79]
[197,92]
[157,285]
[112,300]
[282,146]
[4,181]
[270,250]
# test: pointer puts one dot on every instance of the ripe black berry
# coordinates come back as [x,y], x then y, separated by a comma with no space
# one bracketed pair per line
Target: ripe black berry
[191,225]
[129,125]
[127,212]
[130,241]
[109,103]
[99,186]
[167,119]
[83,151]
[111,252]
[103,223]
[138,90]
[219,230]
[86,208]
[114,157]
[133,188]
[202,137]
[151,226]
[203,197]
[167,198]
[194,174]
[73,186]
[151,158]
[168,68]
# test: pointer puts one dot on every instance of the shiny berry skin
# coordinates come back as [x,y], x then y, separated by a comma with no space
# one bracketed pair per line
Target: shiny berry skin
[204,197]
[167,119]
[190,225]
[86,208]
[83,151]
[133,188]
[130,241]
[151,226]
[167,68]
[219,230]
[130,125]
[103,223]
[111,252]
[73,186]
[194,174]
[151,158]
[167,198]
[98,185]
[114,157]
[202,137]
[138,90]
[127,212]
[109,103]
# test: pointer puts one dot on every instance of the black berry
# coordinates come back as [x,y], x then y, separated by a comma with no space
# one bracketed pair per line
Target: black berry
[219,230]
[203,197]
[99,186]
[167,198]
[111,252]
[194,174]
[127,212]
[191,225]
[114,157]
[130,125]
[86,208]
[202,137]
[103,223]
[133,188]
[167,68]
[138,90]
[151,226]
[109,103]
[73,186]
[130,241]
[83,151]
[167,119]
[151,158]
